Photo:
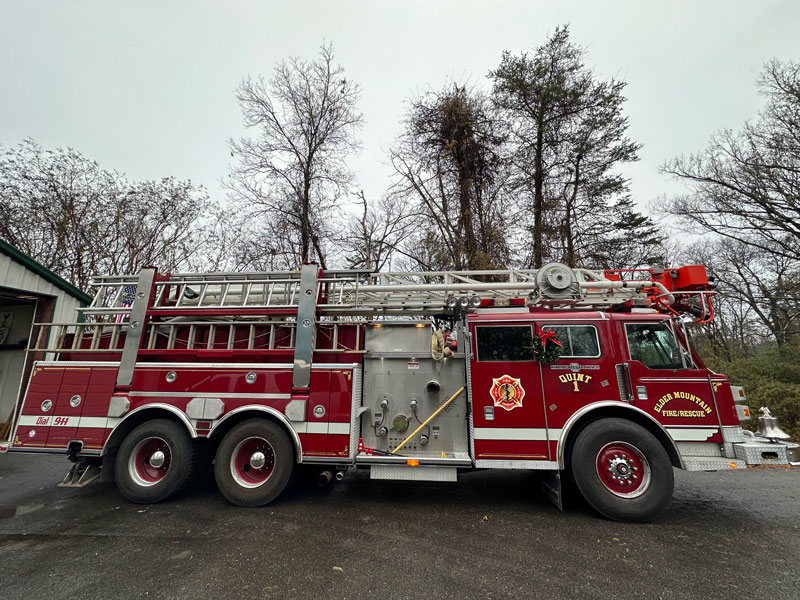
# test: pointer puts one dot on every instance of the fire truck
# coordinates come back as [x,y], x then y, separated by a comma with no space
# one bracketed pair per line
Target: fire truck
[413,376]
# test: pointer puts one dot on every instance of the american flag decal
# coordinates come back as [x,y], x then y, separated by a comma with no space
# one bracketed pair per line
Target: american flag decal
[126,301]
[128,295]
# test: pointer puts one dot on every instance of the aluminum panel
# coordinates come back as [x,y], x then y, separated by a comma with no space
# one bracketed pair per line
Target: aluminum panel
[394,384]
[530,465]
[136,326]
[762,453]
[355,416]
[306,327]
[698,449]
[406,473]
[709,463]
[732,434]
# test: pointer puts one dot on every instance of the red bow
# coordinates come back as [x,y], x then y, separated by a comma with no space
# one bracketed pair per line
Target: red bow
[548,335]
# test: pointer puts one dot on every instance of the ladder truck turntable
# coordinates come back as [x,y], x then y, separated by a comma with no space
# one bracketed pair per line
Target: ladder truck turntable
[414,376]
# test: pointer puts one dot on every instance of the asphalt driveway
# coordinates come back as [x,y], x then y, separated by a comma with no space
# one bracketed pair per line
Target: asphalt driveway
[491,535]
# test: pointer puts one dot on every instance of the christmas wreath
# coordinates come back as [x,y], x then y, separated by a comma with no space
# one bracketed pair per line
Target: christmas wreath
[546,348]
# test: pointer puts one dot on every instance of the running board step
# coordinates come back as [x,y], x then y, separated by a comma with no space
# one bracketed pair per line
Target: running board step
[712,463]
[407,473]
[80,475]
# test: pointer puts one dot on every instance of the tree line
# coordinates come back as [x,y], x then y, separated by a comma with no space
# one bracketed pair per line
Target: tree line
[515,171]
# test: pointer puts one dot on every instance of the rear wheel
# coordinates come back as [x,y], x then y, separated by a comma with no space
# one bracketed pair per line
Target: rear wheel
[622,470]
[254,463]
[156,461]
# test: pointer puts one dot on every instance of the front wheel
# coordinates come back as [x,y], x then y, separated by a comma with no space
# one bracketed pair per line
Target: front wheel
[622,470]
[254,463]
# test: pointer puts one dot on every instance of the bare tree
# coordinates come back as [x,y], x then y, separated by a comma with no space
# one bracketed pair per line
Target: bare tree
[745,186]
[292,172]
[78,219]
[374,235]
[448,162]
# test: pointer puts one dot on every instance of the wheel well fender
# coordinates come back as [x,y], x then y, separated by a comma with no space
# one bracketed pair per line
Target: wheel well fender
[607,409]
[243,413]
[142,414]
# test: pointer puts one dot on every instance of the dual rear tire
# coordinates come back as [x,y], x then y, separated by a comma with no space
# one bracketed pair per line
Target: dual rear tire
[158,460]
[254,462]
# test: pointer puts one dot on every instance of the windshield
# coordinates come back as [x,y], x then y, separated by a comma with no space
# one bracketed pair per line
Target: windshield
[654,345]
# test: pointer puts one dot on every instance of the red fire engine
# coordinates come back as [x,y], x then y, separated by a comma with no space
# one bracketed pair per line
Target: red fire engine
[415,376]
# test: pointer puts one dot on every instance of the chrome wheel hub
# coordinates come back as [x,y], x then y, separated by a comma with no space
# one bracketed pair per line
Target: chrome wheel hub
[623,469]
[157,459]
[258,460]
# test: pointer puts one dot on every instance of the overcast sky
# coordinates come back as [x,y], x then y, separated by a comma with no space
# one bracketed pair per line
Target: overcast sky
[146,88]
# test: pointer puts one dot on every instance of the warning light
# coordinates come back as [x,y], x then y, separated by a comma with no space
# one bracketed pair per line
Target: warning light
[412,462]
[733,465]
[746,412]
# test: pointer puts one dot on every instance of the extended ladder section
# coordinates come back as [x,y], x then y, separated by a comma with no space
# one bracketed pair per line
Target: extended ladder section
[344,293]
[254,311]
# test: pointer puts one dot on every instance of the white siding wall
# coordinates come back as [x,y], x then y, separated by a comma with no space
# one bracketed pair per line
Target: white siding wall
[15,276]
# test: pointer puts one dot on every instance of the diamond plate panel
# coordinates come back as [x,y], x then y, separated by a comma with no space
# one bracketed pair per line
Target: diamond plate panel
[753,453]
[732,434]
[709,463]
[698,449]
[355,416]
[406,473]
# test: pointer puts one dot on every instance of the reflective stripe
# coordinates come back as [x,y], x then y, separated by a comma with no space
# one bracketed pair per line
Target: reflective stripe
[329,428]
[339,428]
[109,423]
[516,433]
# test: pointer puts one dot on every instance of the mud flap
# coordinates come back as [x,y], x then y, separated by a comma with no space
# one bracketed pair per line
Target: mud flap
[551,485]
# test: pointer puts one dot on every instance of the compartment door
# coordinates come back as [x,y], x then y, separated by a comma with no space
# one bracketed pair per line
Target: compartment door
[317,414]
[68,407]
[507,406]
[341,403]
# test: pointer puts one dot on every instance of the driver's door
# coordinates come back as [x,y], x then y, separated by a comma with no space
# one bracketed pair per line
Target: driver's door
[667,385]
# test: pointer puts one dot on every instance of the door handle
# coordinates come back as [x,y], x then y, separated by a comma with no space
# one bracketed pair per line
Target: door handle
[488,413]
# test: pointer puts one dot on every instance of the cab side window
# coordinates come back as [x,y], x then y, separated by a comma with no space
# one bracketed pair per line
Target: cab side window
[504,343]
[578,341]
[654,345]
